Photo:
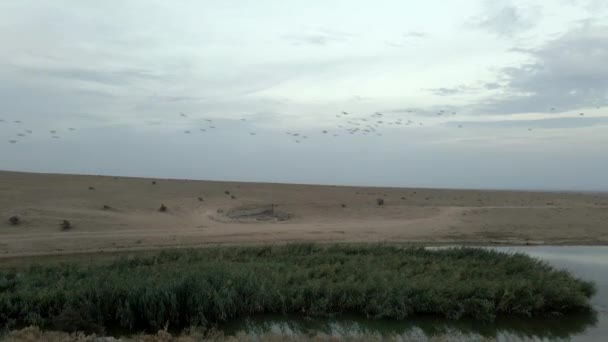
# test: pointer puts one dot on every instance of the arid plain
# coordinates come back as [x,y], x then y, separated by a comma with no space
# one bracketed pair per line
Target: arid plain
[110,214]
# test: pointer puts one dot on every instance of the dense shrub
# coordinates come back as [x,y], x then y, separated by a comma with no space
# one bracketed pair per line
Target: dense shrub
[200,287]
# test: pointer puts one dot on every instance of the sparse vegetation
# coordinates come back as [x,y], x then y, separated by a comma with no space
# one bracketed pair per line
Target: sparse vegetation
[343,205]
[163,208]
[153,182]
[227,192]
[232,196]
[106,207]
[91,188]
[380,201]
[200,199]
[65,225]
[184,288]
[14,220]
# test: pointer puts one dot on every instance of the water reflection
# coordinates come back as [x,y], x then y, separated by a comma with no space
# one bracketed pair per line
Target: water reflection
[352,326]
[589,263]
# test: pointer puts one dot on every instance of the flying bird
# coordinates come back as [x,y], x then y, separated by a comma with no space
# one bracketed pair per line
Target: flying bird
[183,115]
[12,141]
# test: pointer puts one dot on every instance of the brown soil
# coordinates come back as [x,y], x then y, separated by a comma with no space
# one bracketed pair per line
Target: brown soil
[277,213]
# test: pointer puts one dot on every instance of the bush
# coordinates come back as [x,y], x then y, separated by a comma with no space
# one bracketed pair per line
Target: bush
[380,201]
[65,225]
[14,220]
[162,208]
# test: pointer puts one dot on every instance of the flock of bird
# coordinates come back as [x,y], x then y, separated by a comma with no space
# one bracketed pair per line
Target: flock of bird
[21,134]
[348,124]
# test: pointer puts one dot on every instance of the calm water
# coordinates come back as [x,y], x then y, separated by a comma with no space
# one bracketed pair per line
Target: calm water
[590,263]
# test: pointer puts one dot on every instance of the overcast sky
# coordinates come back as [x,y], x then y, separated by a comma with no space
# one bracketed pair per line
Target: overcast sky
[473,93]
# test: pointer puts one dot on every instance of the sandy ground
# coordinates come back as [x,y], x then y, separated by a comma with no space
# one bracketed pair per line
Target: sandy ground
[316,213]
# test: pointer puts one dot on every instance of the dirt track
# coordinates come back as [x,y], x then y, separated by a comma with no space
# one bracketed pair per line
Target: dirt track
[316,214]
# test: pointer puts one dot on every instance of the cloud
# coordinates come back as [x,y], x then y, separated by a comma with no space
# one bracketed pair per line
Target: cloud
[321,37]
[566,73]
[504,18]
[458,90]
[109,77]
[592,6]
[492,85]
[546,123]
[415,34]
[408,38]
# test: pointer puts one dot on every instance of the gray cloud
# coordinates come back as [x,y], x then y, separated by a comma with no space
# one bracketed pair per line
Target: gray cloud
[570,122]
[492,85]
[566,73]
[504,18]
[321,37]
[450,91]
[108,77]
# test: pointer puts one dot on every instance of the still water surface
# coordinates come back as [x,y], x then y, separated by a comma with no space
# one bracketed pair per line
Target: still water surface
[589,263]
